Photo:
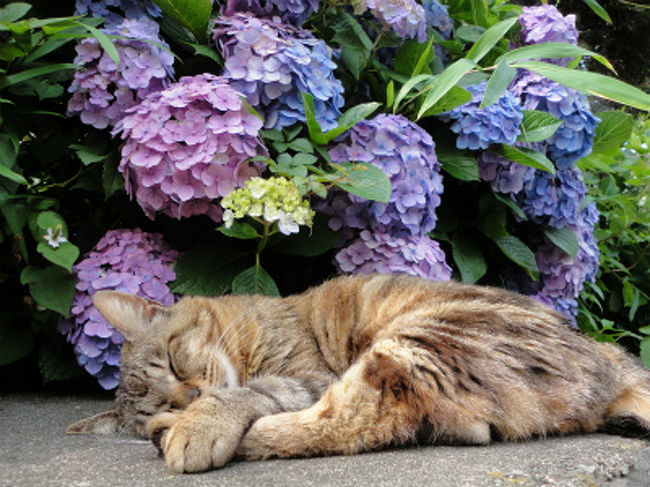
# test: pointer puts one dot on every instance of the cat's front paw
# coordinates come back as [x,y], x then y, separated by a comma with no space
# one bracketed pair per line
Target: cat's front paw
[202,437]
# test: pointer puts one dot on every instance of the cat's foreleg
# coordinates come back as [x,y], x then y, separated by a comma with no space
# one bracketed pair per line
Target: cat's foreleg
[206,434]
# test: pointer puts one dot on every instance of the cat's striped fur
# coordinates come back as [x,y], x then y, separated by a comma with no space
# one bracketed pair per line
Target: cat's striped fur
[356,364]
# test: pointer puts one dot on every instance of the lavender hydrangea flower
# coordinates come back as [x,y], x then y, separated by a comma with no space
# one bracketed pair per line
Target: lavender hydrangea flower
[406,17]
[187,145]
[562,277]
[115,11]
[417,255]
[406,153]
[125,260]
[553,200]
[102,91]
[438,18]
[293,12]
[574,138]
[504,176]
[272,63]
[478,128]
[545,23]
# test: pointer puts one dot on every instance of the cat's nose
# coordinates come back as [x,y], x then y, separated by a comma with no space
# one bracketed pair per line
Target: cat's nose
[194,394]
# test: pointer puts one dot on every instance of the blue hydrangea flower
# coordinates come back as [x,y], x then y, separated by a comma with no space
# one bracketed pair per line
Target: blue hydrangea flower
[293,12]
[553,200]
[574,139]
[372,252]
[438,18]
[504,176]
[545,23]
[272,63]
[126,260]
[406,153]
[406,17]
[115,11]
[478,128]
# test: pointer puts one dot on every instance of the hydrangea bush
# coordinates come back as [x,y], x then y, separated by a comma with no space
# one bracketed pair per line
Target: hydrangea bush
[426,137]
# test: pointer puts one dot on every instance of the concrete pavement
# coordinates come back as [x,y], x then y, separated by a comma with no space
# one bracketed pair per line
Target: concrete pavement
[35,452]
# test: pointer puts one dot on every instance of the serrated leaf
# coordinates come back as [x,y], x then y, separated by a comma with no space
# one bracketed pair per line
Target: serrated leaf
[519,253]
[613,130]
[364,180]
[445,82]
[301,145]
[355,60]
[490,38]
[497,84]
[348,32]
[207,270]
[512,205]
[527,157]
[468,257]
[240,230]
[564,239]
[254,280]
[52,287]
[272,134]
[458,164]
[537,126]
[591,83]
[112,179]
[202,50]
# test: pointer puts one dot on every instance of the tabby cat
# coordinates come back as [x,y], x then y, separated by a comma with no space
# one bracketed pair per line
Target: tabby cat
[356,364]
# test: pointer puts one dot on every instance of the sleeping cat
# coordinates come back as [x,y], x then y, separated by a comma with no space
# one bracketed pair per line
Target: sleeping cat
[356,364]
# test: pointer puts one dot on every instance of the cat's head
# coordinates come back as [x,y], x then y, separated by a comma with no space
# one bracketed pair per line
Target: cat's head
[168,357]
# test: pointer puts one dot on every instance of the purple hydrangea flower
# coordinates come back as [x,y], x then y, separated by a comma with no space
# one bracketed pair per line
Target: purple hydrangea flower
[187,145]
[545,23]
[125,260]
[293,12]
[553,200]
[102,91]
[438,18]
[115,11]
[478,128]
[417,255]
[406,153]
[406,17]
[561,276]
[574,138]
[272,63]
[503,175]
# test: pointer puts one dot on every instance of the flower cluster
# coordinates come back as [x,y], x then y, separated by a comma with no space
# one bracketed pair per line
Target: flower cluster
[563,277]
[272,63]
[102,91]
[545,23]
[478,128]
[187,145]
[380,252]
[273,199]
[438,18]
[125,260]
[115,11]
[574,138]
[406,17]
[504,176]
[406,153]
[293,12]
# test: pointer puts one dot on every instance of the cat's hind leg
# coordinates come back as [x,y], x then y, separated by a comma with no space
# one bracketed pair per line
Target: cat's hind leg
[392,395]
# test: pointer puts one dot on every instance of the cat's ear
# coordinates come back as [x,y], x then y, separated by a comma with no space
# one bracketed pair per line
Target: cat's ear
[105,423]
[125,312]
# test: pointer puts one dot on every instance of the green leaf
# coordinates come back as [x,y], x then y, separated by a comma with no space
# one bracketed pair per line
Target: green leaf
[301,145]
[498,84]
[456,96]
[15,342]
[56,363]
[52,287]
[469,33]
[490,38]
[12,175]
[201,50]
[350,118]
[34,72]
[564,239]
[512,205]
[614,129]
[355,60]
[207,270]
[309,242]
[645,351]
[552,50]
[89,154]
[598,10]
[390,94]
[348,32]
[192,14]
[14,11]
[409,85]
[362,179]
[591,83]
[112,179]
[315,132]
[272,134]
[51,219]
[519,253]
[459,164]
[105,42]
[480,12]
[240,230]
[468,257]
[254,280]
[524,156]
[64,255]
[537,126]
[445,82]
